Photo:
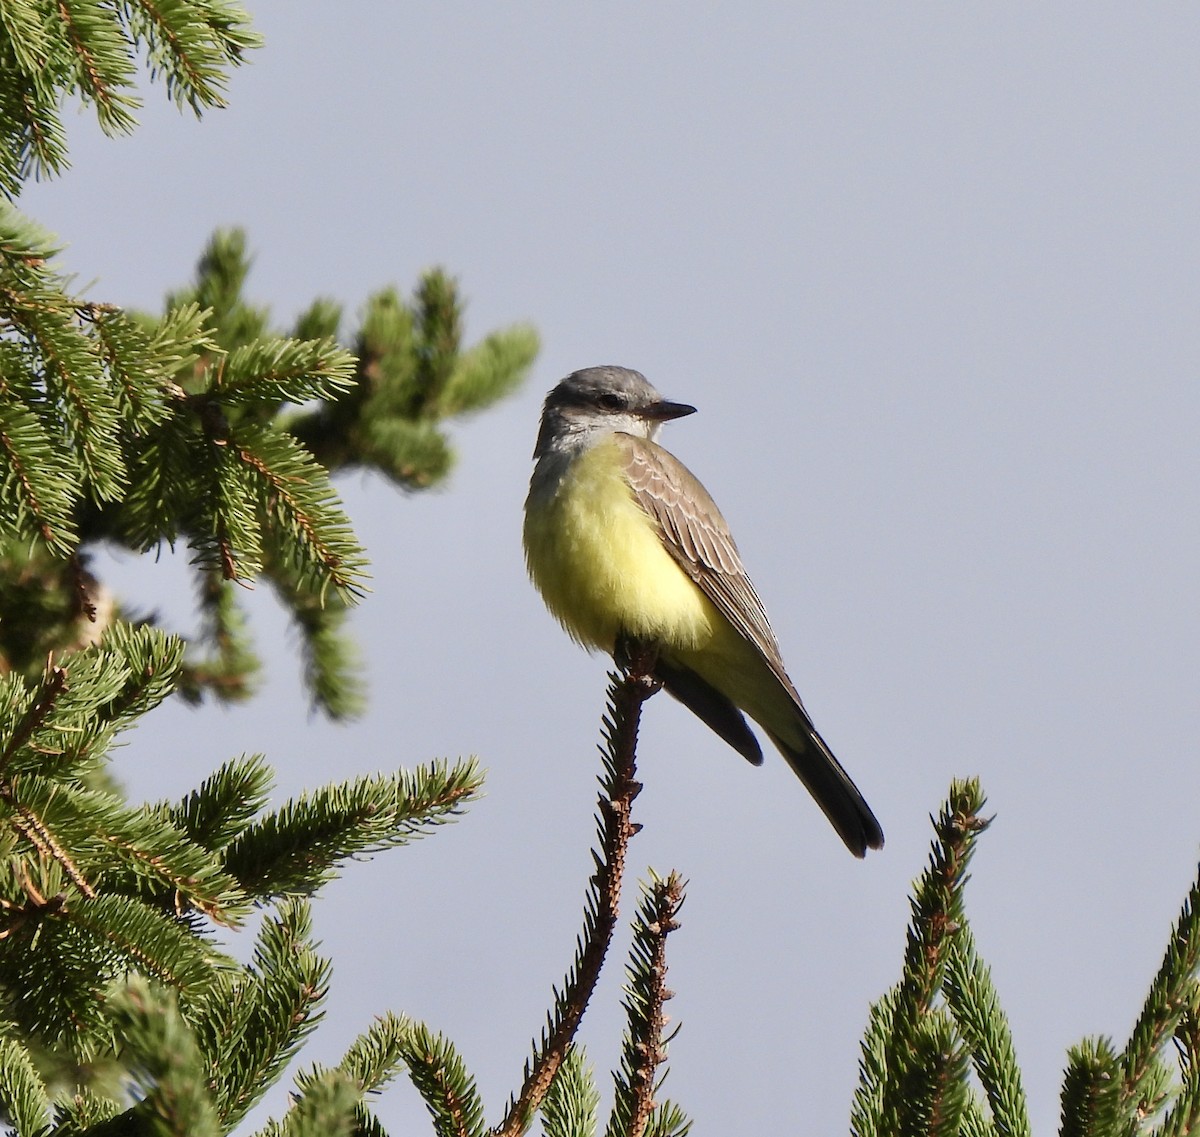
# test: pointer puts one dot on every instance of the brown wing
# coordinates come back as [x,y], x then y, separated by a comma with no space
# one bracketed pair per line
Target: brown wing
[695,534]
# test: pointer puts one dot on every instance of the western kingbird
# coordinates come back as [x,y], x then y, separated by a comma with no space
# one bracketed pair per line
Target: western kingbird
[626,546]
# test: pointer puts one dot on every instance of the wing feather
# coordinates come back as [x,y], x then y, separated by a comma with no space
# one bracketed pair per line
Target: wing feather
[696,535]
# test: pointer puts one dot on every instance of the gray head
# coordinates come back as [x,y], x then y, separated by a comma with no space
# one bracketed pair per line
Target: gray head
[600,400]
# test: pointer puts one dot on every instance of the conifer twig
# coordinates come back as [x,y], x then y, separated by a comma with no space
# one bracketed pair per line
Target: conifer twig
[626,694]
[664,901]
[1166,1006]
[53,686]
[83,583]
[34,830]
[896,1050]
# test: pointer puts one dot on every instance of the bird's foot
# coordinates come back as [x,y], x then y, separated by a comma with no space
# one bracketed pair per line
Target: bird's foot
[638,658]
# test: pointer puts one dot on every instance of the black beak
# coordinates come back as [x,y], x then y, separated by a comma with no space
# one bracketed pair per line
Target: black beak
[665,411]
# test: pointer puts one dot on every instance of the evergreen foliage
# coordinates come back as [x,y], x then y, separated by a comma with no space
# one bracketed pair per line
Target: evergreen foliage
[104,907]
[203,427]
[558,1085]
[55,50]
[206,427]
[941,1032]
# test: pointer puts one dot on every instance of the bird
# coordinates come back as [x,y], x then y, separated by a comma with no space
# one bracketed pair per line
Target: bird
[627,547]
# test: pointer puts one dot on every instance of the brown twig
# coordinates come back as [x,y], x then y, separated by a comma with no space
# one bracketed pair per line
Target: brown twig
[27,823]
[82,583]
[31,498]
[53,686]
[37,906]
[627,692]
[24,820]
[667,897]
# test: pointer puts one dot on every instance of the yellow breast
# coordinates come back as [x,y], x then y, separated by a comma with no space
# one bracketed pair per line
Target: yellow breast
[599,562]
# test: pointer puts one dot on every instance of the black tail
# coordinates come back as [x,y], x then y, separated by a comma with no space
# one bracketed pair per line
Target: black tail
[833,791]
[717,712]
[812,760]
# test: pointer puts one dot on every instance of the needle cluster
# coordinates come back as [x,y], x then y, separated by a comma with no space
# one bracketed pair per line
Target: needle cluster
[938,1055]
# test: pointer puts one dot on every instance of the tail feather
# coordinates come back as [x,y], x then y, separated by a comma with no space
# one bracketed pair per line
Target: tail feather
[832,789]
[715,710]
[752,688]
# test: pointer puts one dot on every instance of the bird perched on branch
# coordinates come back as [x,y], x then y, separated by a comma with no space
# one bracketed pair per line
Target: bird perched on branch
[628,549]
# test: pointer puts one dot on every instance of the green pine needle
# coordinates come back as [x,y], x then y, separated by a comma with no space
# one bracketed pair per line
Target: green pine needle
[572,1103]
[1091,1093]
[644,1047]
[1166,1004]
[325,1107]
[252,1022]
[975,1005]
[224,804]
[166,1061]
[298,848]
[668,1120]
[271,371]
[23,1096]
[440,1077]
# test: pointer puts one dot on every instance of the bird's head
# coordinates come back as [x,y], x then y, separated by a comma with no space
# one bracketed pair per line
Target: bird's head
[602,400]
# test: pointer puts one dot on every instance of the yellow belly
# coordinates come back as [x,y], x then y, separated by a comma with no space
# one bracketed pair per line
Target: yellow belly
[600,565]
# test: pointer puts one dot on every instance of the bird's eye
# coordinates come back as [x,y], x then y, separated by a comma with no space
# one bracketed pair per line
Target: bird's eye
[611,402]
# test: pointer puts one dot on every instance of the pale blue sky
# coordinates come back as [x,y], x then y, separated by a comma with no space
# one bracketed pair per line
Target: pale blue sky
[930,273]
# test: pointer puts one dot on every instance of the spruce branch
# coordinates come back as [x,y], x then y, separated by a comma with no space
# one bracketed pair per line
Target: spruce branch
[627,692]
[295,495]
[53,685]
[92,835]
[645,1048]
[24,1099]
[41,836]
[101,63]
[52,50]
[189,44]
[934,1091]
[327,1109]
[251,1022]
[372,1061]
[488,371]
[911,1046]
[164,1057]
[141,359]
[1170,999]
[874,1065]
[974,1122]
[441,1078]
[94,1115]
[375,1057]
[936,915]
[1183,1117]
[975,1005]
[296,849]
[120,932]
[571,1105]
[274,370]
[224,804]
[39,902]
[35,477]
[326,1105]
[1091,1093]
[229,667]
[937,900]
[668,1120]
